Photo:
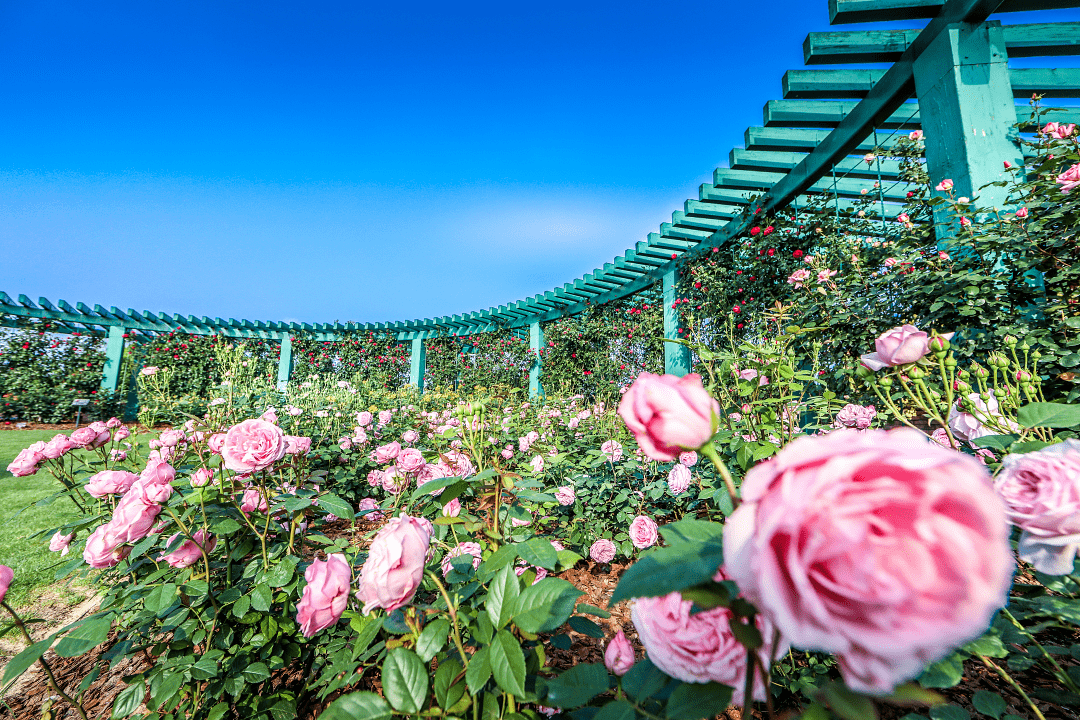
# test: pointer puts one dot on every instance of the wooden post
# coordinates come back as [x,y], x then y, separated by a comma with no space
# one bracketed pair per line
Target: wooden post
[417,364]
[536,344]
[284,367]
[676,356]
[114,357]
[966,103]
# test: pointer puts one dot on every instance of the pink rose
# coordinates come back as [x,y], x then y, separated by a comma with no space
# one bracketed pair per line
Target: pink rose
[121,433]
[103,548]
[216,442]
[900,346]
[537,464]
[172,438]
[507,453]
[149,370]
[433,472]
[565,495]
[6,576]
[363,419]
[539,572]
[252,445]
[385,416]
[395,564]
[619,655]
[465,548]
[798,278]
[345,444]
[326,594]
[113,423]
[1041,491]
[269,416]
[688,458]
[410,436]
[459,464]
[90,437]
[452,508]
[410,460]
[133,518]
[643,531]
[158,472]
[985,420]
[1069,179]
[944,186]
[57,447]
[297,445]
[700,647]
[880,547]
[374,478]
[371,504]
[679,479]
[109,482]
[613,450]
[602,551]
[61,543]
[668,414]
[26,462]
[202,477]
[253,500]
[1022,213]
[387,453]
[151,489]
[394,481]
[188,553]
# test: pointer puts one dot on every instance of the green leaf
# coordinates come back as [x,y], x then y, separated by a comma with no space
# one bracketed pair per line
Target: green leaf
[539,552]
[692,531]
[989,703]
[448,670]
[691,701]
[261,598]
[577,686]
[429,487]
[405,680]
[592,610]
[644,680]
[432,639]
[533,496]
[218,711]
[618,710]
[498,560]
[18,664]
[85,637]
[502,596]
[996,442]
[282,573]
[479,670]
[170,683]
[508,663]
[129,700]
[357,706]
[546,605]
[586,627]
[949,712]
[283,709]
[1028,446]
[847,704]
[225,526]
[945,673]
[989,644]
[668,569]
[255,672]
[1051,415]
[336,506]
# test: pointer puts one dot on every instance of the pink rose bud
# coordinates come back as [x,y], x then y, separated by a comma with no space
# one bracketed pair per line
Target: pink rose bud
[668,414]
[202,477]
[326,594]
[1022,213]
[395,564]
[252,445]
[133,518]
[1041,491]
[60,543]
[121,433]
[110,482]
[452,508]
[370,504]
[188,553]
[57,447]
[6,576]
[602,551]
[113,423]
[880,547]
[253,500]
[104,549]
[172,438]
[643,531]
[619,655]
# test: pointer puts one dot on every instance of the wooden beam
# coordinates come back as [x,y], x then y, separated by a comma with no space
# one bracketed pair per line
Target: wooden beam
[842,12]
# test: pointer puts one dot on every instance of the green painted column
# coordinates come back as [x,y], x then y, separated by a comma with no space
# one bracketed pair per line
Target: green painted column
[114,357]
[676,356]
[284,366]
[417,364]
[536,344]
[966,102]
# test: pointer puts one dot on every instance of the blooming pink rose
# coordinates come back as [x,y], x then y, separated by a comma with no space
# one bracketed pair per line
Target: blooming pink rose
[385,416]
[57,447]
[602,551]
[326,594]
[252,445]
[297,445]
[375,478]
[668,414]
[748,374]
[153,488]
[458,464]
[565,495]
[899,346]
[1069,179]
[188,553]
[133,518]
[104,549]
[202,477]
[394,481]
[91,436]
[1059,131]
[699,647]
[6,576]
[619,655]
[465,548]
[158,471]
[345,444]
[410,460]
[507,453]
[109,482]
[915,135]
[149,370]
[363,419]
[537,464]
[61,543]
[944,186]
[880,547]
[371,504]
[1041,491]
[395,564]
[113,423]
[121,433]
[172,438]
[643,531]
[799,278]
[679,479]
[253,500]
[387,453]
[26,462]
[613,450]
[410,436]
[986,419]
[269,416]
[216,442]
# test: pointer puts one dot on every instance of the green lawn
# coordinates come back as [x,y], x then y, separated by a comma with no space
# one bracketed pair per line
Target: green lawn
[34,566]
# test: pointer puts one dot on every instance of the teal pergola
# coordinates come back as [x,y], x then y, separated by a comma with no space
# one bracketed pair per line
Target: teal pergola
[950,79]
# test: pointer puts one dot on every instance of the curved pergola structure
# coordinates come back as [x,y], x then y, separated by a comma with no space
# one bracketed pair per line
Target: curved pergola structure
[951,79]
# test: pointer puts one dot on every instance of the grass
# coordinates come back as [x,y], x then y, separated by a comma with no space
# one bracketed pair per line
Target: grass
[34,566]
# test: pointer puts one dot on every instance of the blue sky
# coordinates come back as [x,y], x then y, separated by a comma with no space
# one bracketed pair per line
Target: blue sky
[326,161]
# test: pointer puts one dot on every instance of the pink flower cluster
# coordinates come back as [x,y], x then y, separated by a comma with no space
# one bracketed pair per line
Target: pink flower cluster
[91,437]
[855,416]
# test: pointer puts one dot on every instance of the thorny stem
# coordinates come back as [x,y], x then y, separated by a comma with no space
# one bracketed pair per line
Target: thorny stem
[453,618]
[45,665]
[1008,678]
[1062,675]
